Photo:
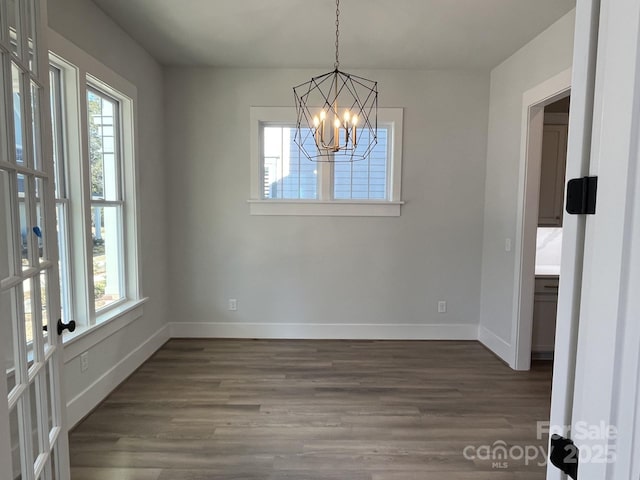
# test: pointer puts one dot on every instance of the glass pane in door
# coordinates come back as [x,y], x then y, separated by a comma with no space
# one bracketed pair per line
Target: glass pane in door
[54,463]
[37,228]
[14,432]
[14,30]
[50,411]
[6,244]
[23,213]
[44,306]
[7,313]
[36,445]
[35,126]
[27,292]
[16,77]
[32,35]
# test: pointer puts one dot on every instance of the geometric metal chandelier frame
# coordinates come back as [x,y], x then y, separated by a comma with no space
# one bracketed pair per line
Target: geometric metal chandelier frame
[337,114]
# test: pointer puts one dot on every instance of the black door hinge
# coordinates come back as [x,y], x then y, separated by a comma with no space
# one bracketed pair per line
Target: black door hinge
[581,195]
[564,455]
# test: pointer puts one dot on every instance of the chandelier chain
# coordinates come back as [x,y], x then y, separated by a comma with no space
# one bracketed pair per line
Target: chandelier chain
[337,64]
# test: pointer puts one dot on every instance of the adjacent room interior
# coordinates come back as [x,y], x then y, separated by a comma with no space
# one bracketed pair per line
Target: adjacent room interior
[256,283]
[549,232]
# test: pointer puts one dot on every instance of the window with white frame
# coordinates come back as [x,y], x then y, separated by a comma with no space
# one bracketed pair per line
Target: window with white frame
[95,194]
[285,182]
[106,199]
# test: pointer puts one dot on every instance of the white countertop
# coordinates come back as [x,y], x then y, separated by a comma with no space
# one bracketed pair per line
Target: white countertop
[548,251]
[547,270]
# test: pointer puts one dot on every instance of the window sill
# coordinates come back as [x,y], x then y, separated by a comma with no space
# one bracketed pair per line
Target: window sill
[335,208]
[106,325]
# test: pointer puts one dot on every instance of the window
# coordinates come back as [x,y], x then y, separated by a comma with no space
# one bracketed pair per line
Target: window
[61,197]
[94,169]
[106,199]
[285,182]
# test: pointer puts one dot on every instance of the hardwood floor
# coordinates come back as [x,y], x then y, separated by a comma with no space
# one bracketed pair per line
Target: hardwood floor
[315,410]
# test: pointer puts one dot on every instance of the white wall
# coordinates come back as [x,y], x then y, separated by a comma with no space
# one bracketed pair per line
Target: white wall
[544,57]
[348,277]
[81,22]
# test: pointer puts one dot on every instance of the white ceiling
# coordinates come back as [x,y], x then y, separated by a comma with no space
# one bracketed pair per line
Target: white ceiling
[300,33]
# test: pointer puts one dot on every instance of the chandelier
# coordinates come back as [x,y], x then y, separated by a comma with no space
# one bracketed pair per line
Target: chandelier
[337,114]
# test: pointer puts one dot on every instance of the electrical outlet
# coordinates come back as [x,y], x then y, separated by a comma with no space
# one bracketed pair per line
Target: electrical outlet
[233,304]
[442,306]
[84,361]
[507,245]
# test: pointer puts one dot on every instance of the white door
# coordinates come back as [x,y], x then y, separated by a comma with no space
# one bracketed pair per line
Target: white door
[33,434]
[573,234]
[600,402]
[606,380]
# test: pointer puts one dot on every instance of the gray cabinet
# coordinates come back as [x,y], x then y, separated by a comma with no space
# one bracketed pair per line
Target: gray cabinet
[552,175]
[545,305]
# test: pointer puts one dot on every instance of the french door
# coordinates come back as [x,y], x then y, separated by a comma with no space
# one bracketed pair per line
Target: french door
[596,390]
[33,434]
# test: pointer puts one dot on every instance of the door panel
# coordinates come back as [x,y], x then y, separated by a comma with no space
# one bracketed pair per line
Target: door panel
[605,386]
[573,229]
[31,405]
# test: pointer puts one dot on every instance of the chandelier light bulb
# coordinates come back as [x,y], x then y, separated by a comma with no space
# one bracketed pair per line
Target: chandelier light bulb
[323,115]
[347,116]
[354,120]
[316,121]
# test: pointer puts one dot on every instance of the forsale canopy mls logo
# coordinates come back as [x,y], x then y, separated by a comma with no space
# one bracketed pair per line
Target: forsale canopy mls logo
[600,448]
[499,454]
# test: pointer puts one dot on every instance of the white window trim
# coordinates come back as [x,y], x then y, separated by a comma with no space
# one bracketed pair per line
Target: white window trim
[326,206]
[79,70]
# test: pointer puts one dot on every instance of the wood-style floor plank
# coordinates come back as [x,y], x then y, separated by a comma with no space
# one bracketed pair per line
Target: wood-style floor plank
[314,410]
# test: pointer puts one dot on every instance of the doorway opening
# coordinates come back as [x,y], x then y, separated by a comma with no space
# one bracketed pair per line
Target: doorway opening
[535,101]
[548,254]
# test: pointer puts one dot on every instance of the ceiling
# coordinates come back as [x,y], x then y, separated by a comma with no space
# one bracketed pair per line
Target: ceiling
[434,34]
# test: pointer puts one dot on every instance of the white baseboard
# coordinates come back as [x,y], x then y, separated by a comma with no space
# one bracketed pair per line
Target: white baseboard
[79,406]
[323,331]
[496,344]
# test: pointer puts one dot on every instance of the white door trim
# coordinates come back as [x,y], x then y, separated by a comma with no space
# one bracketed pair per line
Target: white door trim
[533,103]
